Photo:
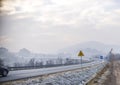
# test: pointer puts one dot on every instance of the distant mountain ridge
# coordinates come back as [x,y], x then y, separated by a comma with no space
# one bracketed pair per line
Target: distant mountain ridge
[90,48]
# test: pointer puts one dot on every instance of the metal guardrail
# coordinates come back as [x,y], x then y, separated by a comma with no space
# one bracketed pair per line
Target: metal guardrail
[98,70]
[36,67]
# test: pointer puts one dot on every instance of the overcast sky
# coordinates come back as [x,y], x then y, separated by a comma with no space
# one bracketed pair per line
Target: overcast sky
[48,25]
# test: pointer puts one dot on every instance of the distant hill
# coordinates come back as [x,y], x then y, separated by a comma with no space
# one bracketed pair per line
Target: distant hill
[90,49]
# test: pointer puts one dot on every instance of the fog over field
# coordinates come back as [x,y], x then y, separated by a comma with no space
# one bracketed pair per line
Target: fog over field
[92,50]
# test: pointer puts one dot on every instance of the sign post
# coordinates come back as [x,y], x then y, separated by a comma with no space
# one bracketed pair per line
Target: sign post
[81,54]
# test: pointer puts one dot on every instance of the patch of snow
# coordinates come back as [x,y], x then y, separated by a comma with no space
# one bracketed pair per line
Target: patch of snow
[76,77]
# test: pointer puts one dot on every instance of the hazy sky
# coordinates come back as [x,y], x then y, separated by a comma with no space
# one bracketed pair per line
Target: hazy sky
[49,25]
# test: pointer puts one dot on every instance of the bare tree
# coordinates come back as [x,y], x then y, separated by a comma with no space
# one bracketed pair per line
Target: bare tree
[31,62]
[17,64]
[39,63]
[59,60]
[68,61]
[49,62]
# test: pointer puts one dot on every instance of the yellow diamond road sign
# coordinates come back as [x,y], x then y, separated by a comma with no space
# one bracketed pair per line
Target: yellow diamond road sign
[81,54]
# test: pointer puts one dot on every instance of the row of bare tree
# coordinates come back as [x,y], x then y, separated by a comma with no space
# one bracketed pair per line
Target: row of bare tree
[48,63]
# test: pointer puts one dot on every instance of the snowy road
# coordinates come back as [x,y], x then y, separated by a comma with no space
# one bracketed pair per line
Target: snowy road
[20,74]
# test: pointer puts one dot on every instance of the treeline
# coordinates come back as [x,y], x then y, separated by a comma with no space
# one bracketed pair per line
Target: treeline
[26,59]
[33,63]
[48,63]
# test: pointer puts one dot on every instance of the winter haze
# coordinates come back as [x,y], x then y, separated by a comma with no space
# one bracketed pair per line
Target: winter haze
[45,26]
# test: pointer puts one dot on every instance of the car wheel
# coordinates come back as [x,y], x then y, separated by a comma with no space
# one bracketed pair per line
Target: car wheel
[4,73]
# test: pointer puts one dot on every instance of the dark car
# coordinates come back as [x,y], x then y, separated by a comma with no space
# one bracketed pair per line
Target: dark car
[4,71]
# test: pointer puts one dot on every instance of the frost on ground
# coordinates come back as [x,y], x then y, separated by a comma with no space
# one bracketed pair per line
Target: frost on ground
[74,77]
[114,77]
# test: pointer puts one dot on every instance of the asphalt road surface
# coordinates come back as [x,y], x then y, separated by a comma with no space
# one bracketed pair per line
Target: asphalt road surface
[21,74]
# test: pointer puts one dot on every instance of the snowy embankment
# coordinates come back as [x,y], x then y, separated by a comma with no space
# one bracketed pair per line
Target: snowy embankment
[73,77]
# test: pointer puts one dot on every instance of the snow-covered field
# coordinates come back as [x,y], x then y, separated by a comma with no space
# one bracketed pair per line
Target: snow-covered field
[74,77]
